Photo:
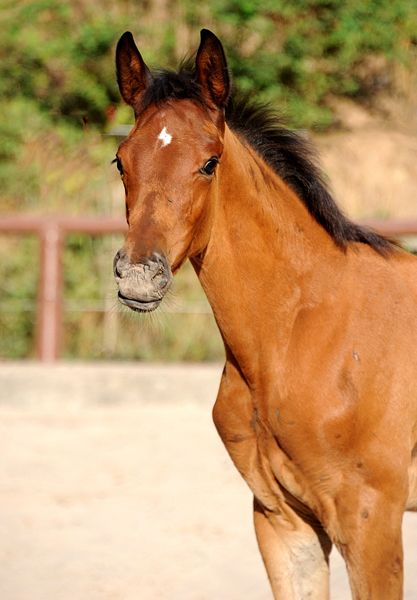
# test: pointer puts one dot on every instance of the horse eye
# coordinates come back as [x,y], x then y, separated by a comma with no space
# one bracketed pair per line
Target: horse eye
[118,165]
[209,167]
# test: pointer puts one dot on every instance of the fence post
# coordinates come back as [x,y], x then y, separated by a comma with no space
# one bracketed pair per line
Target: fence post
[49,334]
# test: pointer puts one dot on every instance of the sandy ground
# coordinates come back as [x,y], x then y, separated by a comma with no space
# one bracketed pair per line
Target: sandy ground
[130,501]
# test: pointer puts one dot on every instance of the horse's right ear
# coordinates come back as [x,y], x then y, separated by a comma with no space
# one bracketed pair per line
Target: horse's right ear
[133,76]
[211,70]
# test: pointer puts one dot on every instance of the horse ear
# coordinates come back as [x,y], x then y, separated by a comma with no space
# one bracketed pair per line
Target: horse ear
[133,76]
[211,70]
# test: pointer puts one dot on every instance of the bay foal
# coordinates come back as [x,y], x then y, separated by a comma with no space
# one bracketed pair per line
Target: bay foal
[317,405]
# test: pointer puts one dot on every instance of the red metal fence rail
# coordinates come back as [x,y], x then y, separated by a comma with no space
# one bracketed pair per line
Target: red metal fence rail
[52,232]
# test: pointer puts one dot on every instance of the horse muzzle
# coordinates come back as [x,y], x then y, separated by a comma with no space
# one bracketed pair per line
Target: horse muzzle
[142,285]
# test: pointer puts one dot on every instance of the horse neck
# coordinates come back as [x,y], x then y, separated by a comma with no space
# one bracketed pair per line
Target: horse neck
[264,255]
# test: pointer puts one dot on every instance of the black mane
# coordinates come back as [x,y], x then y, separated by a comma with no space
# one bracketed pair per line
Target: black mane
[289,154]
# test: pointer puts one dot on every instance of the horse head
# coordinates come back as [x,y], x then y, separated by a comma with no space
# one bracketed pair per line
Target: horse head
[169,165]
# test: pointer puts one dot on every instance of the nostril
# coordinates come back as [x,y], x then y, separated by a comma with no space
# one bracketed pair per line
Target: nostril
[118,262]
[159,268]
[160,271]
[117,272]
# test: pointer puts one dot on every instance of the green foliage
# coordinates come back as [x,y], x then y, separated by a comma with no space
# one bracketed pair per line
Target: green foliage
[18,287]
[59,54]
[296,53]
[47,167]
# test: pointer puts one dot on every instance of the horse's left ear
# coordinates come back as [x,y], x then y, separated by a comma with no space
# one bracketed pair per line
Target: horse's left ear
[211,70]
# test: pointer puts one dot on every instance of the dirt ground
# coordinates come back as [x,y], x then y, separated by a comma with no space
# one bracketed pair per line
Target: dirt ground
[127,500]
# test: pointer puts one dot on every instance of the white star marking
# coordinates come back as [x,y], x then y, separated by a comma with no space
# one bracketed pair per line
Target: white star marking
[165,137]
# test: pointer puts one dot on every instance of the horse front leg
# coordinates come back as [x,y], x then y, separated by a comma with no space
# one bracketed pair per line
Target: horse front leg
[370,541]
[294,554]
